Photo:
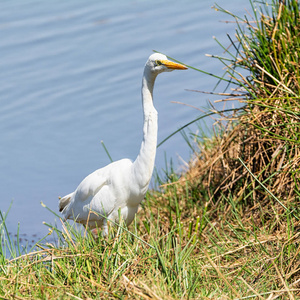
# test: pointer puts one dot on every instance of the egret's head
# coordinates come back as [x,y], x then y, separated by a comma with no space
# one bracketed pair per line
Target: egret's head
[159,63]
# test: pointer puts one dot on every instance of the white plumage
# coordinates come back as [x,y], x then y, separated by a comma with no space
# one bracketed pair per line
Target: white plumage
[121,185]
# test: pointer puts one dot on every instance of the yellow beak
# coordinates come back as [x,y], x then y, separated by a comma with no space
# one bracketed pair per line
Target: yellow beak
[172,65]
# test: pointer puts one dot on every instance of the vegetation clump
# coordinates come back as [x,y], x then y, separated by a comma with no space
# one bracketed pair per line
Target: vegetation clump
[256,159]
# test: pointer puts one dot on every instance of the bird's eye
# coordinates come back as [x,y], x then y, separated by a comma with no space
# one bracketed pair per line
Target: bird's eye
[158,62]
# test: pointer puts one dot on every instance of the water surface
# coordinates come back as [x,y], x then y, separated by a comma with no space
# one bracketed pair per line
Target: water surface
[70,74]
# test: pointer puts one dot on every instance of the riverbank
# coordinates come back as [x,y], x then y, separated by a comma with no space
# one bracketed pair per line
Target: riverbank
[228,228]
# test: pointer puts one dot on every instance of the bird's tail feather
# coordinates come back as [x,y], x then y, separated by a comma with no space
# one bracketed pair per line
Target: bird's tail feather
[64,201]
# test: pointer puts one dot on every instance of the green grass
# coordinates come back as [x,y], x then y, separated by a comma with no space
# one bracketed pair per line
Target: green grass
[182,252]
[226,229]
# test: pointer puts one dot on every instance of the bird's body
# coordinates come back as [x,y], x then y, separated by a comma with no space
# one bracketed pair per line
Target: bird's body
[121,186]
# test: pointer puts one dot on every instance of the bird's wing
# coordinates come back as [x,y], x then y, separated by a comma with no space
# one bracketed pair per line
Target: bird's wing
[99,191]
[91,185]
[115,173]
[82,199]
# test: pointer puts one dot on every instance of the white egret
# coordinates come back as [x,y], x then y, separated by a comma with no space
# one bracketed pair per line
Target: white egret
[121,186]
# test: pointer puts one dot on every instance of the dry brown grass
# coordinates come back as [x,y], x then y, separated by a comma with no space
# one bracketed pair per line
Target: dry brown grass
[274,161]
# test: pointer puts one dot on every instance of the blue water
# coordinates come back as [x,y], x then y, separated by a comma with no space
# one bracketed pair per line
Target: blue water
[70,74]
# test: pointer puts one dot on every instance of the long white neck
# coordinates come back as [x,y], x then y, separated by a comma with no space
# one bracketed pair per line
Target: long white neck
[144,163]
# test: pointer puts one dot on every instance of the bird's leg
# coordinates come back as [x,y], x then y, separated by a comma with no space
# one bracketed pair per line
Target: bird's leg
[95,232]
[105,228]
